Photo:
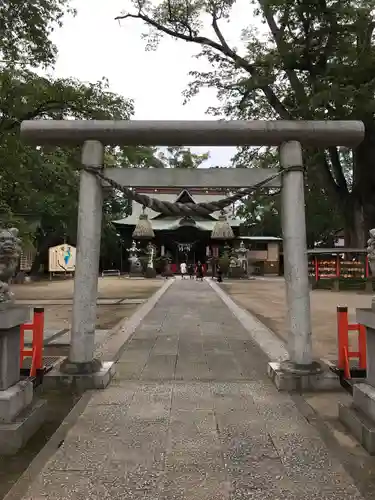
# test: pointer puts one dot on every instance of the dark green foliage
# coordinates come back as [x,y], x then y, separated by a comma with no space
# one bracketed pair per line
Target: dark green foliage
[315,60]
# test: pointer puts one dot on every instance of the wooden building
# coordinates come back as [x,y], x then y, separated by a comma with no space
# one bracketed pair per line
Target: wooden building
[188,239]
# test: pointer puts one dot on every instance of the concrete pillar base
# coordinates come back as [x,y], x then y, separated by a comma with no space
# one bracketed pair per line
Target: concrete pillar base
[11,317]
[366,317]
[14,435]
[20,417]
[59,379]
[364,399]
[290,377]
[15,399]
[359,425]
[359,417]
[88,368]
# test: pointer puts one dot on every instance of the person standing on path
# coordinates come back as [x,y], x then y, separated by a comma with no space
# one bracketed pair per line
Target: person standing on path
[199,270]
[219,274]
[183,270]
[191,270]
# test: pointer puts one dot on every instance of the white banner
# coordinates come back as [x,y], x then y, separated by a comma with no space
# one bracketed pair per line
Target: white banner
[62,258]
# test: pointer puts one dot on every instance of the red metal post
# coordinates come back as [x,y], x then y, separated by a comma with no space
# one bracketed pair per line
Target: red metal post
[38,336]
[36,351]
[347,373]
[344,354]
[342,336]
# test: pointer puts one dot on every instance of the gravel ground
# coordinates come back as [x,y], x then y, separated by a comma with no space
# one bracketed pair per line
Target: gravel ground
[265,298]
[58,315]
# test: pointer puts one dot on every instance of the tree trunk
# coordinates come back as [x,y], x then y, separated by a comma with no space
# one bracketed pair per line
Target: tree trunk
[41,255]
[364,181]
[353,224]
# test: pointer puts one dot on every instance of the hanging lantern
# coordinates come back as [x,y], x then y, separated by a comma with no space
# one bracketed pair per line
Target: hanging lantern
[222,229]
[143,230]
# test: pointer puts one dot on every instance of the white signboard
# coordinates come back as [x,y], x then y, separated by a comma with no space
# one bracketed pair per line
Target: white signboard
[62,258]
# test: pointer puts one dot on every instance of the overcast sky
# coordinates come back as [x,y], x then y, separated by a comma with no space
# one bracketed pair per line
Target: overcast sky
[93,45]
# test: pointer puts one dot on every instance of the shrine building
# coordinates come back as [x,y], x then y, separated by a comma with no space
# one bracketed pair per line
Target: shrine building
[188,239]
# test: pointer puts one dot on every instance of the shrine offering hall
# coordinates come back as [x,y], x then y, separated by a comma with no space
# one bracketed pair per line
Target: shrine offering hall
[188,239]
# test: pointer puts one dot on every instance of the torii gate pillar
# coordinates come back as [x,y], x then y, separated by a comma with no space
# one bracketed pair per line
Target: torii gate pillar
[81,367]
[299,371]
[295,254]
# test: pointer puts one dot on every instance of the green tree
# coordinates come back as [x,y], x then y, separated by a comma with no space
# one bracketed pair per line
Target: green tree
[181,157]
[41,184]
[25,28]
[316,61]
[261,210]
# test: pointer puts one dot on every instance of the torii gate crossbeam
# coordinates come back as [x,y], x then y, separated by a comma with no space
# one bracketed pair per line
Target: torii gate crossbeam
[194,133]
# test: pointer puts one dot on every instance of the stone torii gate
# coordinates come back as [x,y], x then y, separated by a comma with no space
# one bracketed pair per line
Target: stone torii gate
[290,136]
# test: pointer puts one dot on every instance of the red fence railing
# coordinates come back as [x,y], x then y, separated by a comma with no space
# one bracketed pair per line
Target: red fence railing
[36,351]
[344,352]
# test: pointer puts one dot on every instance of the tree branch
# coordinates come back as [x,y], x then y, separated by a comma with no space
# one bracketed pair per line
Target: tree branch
[41,109]
[315,69]
[328,179]
[337,169]
[274,101]
[295,83]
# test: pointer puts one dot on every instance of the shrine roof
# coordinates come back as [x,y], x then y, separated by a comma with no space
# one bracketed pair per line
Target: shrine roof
[260,238]
[335,250]
[172,224]
[162,222]
[177,191]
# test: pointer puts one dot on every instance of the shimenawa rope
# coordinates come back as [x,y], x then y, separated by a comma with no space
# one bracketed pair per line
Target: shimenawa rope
[182,209]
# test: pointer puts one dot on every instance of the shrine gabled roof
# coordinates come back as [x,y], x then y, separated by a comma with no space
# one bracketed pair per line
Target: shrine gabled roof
[185,193]
[184,197]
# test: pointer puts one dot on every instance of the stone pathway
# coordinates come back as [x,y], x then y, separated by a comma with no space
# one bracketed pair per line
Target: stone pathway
[191,414]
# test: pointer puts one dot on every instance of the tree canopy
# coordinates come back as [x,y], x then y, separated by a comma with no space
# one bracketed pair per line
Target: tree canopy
[25,29]
[182,157]
[315,60]
[39,186]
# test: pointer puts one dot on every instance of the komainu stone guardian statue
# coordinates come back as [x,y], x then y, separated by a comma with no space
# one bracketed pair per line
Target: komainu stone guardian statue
[20,414]
[10,250]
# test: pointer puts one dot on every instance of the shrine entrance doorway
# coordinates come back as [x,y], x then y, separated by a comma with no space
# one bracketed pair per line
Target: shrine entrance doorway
[186,244]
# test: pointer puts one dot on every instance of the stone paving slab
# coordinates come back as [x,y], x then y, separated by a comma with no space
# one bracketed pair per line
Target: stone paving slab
[191,414]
